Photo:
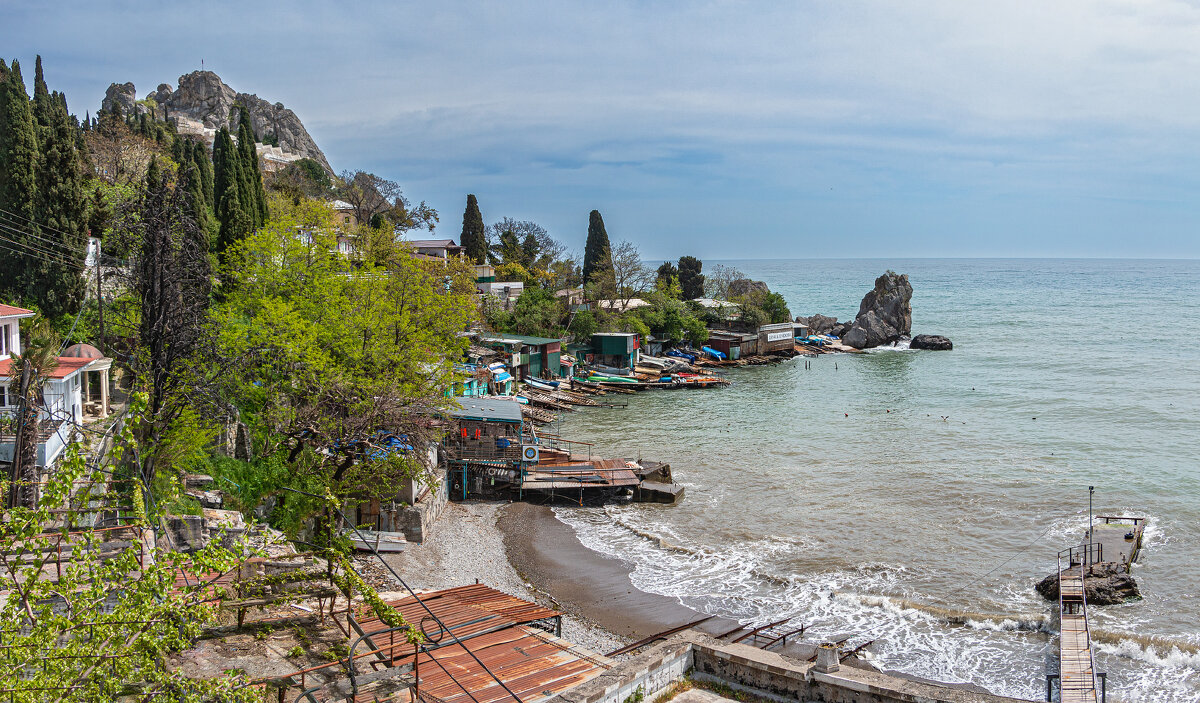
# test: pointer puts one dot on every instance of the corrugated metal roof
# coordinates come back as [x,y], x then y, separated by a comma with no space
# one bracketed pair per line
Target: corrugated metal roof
[489,409]
[493,625]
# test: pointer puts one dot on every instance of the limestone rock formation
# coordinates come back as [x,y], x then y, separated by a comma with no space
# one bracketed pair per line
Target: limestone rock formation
[1106,583]
[935,342]
[885,314]
[203,103]
[124,95]
[745,286]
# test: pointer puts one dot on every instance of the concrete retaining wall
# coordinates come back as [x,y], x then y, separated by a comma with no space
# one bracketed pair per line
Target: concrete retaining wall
[651,672]
[752,668]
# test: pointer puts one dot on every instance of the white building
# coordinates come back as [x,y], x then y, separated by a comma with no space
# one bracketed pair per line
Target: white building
[67,396]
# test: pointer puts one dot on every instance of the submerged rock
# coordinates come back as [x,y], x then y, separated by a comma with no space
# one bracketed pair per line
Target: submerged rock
[935,342]
[1106,583]
[885,314]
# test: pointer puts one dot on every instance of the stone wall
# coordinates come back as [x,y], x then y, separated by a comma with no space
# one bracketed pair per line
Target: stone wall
[415,521]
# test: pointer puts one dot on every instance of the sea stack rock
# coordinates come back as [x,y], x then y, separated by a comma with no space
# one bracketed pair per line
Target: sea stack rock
[885,314]
[935,342]
[1106,583]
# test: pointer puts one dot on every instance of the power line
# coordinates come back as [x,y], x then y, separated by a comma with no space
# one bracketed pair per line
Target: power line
[33,222]
[23,249]
[27,250]
[43,241]
[34,244]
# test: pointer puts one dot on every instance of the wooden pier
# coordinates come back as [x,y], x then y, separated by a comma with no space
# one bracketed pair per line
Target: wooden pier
[1076,661]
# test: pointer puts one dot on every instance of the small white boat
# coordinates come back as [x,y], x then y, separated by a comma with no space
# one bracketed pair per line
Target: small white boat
[380,541]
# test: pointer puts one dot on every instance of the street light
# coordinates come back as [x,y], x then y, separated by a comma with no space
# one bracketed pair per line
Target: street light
[1091,490]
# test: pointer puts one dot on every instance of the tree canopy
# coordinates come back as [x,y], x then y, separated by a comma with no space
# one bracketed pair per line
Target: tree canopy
[597,251]
[474,238]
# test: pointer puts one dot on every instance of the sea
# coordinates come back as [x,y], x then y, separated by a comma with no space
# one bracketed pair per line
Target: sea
[914,498]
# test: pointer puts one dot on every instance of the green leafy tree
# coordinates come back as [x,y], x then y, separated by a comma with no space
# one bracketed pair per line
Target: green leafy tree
[537,312]
[597,251]
[102,627]
[691,281]
[474,237]
[776,308]
[18,185]
[583,325]
[335,352]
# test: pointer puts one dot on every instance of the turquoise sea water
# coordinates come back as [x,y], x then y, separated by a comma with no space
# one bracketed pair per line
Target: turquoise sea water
[887,495]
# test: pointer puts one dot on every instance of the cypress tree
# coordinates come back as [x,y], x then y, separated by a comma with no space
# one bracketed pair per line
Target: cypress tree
[474,237]
[235,221]
[18,181]
[691,282]
[42,104]
[61,207]
[153,174]
[225,168]
[192,184]
[204,164]
[253,196]
[596,252]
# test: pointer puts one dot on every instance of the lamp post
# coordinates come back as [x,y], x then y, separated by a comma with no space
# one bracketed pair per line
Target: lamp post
[1091,490]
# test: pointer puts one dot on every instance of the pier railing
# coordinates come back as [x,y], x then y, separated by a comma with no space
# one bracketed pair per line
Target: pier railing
[1082,555]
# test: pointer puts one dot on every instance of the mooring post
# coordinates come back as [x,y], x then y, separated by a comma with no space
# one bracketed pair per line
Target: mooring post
[829,657]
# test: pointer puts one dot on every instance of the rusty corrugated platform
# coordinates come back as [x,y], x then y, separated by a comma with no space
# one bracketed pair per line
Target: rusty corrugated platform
[494,626]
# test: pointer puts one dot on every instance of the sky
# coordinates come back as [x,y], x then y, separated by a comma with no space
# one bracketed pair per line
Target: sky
[714,129]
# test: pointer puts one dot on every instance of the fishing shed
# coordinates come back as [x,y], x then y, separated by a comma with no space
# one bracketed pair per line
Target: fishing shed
[532,357]
[484,443]
[728,343]
[779,337]
[616,349]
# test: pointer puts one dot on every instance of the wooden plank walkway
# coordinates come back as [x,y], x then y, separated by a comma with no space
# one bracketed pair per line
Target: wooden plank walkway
[1076,663]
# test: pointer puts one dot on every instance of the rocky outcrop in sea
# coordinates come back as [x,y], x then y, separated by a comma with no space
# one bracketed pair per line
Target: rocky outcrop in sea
[884,315]
[203,103]
[1105,583]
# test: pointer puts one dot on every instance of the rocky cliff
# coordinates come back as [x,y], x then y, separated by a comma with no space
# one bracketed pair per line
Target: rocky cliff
[204,103]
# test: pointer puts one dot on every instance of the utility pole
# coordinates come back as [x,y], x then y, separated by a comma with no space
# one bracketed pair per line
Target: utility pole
[16,472]
[99,294]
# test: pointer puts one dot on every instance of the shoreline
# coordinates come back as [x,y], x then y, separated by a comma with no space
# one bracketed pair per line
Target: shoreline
[547,553]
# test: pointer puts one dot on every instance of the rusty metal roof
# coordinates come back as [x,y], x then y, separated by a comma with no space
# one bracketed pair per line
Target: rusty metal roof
[495,627]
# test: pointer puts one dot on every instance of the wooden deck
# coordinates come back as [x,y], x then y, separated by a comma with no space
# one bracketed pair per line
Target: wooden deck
[1076,663]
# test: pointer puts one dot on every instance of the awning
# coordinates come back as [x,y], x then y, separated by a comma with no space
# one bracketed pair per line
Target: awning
[502,377]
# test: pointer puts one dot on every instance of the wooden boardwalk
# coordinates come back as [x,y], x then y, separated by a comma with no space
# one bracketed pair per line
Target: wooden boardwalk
[1076,663]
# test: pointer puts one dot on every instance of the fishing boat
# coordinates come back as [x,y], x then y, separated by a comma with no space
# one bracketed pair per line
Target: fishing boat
[540,385]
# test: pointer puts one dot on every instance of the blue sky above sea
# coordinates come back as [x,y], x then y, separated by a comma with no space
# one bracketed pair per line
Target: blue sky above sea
[721,130]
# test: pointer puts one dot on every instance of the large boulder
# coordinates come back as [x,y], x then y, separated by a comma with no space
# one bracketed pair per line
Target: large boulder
[1106,583]
[124,95]
[935,342]
[745,286]
[819,324]
[885,314]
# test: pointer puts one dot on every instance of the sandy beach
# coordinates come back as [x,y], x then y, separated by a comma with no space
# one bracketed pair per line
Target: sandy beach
[468,545]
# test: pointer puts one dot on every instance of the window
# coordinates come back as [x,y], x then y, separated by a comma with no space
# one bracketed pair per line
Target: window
[3,339]
[3,396]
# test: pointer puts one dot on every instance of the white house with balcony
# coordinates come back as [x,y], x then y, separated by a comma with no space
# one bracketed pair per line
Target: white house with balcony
[69,394]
